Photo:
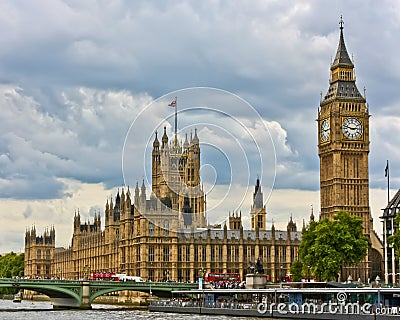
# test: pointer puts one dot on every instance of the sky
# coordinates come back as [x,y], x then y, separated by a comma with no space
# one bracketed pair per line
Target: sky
[84,85]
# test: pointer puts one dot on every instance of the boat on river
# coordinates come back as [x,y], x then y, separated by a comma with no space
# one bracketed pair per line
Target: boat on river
[17,297]
[335,303]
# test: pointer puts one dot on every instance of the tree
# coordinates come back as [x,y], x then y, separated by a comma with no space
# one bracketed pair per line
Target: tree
[329,245]
[296,270]
[394,239]
[11,265]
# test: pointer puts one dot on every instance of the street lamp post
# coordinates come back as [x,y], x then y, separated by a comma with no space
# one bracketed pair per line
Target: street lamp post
[86,270]
[166,275]
[202,272]
[59,273]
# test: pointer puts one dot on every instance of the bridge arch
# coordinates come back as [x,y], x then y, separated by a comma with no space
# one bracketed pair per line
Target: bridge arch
[53,291]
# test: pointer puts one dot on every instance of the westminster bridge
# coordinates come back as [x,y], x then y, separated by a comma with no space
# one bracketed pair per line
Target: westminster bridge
[81,294]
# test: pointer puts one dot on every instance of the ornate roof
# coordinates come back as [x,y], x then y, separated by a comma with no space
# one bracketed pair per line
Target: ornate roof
[342,84]
[342,57]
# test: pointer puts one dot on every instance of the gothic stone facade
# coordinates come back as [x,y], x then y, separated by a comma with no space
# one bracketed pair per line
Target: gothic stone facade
[138,246]
[167,236]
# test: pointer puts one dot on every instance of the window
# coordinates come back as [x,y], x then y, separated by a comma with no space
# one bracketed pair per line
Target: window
[284,254]
[179,254]
[166,254]
[47,254]
[151,253]
[151,229]
[151,275]
[196,253]
[166,228]
[220,255]
[138,254]
[236,254]
[204,254]
[187,253]
[39,254]
[260,221]
[213,253]
[180,275]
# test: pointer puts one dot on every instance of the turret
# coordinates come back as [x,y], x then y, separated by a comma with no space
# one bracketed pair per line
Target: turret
[164,139]
[122,205]
[143,197]
[291,227]
[136,200]
[117,208]
[312,214]
[258,212]
[186,143]
[235,221]
[106,214]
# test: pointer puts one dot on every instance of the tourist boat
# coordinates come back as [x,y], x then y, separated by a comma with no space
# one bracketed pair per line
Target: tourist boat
[17,297]
[335,303]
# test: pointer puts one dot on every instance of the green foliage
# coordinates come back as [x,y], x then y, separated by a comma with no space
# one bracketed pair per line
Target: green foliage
[296,270]
[394,239]
[11,265]
[328,245]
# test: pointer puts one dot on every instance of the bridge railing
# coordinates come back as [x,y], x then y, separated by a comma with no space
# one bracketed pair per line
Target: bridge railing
[21,280]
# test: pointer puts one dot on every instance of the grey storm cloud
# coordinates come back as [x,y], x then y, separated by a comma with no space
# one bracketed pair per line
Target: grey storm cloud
[76,74]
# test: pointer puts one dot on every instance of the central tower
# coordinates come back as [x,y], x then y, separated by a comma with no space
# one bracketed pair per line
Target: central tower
[176,178]
[343,149]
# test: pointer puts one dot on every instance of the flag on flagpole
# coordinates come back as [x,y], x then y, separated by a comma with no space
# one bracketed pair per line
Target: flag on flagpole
[387,168]
[173,103]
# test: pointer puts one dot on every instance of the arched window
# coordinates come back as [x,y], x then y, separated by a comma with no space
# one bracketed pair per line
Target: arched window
[151,228]
[166,228]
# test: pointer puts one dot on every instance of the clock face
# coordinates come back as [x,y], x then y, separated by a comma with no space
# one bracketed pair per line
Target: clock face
[325,130]
[352,128]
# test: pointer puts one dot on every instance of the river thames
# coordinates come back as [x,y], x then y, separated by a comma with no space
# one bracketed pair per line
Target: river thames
[28,310]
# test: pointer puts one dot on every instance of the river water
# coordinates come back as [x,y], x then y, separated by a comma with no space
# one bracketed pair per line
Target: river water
[28,310]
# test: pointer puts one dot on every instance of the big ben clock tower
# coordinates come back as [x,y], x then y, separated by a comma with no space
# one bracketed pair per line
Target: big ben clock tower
[343,148]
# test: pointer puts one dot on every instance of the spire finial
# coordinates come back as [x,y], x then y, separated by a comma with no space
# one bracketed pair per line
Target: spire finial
[341,23]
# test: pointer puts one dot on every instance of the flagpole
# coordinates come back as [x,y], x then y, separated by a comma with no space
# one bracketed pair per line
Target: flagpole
[176,121]
[388,185]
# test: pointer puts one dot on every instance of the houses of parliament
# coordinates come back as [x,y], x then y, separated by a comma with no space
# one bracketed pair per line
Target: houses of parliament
[167,236]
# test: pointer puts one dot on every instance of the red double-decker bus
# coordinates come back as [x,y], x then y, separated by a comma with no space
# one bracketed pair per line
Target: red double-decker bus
[103,276]
[226,277]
